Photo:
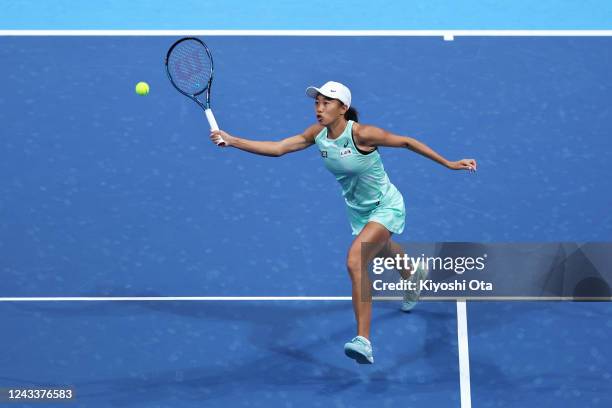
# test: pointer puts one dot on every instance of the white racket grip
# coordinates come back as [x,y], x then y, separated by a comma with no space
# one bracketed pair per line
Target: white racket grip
[213,123]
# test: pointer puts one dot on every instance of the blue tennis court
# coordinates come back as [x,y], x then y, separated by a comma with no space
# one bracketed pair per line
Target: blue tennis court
[107,193]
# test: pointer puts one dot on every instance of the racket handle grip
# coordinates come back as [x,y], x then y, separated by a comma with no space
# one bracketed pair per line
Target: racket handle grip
[213,124]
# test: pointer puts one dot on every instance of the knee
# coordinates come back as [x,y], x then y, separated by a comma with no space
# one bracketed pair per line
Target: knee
[353,264]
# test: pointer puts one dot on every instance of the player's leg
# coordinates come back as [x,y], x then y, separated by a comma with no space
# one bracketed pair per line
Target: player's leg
[376,236]
[410,297]
[391,250]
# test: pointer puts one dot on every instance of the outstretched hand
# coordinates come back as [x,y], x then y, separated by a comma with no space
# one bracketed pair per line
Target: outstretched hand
[221,138]
[464,164]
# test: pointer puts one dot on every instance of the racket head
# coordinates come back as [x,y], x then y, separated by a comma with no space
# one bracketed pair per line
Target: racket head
[189,65]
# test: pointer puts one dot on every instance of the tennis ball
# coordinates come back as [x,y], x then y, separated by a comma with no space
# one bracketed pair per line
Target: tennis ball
[142,88]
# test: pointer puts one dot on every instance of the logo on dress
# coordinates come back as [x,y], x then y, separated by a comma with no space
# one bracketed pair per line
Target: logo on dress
[323,153]
[346,143]
[346,152]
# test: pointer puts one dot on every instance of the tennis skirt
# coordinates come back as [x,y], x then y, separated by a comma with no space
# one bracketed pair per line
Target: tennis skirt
[391,213]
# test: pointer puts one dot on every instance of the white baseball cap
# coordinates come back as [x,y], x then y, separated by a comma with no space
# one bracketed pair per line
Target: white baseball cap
[331,89]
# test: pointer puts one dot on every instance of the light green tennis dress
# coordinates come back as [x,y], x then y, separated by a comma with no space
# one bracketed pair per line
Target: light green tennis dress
[367,191]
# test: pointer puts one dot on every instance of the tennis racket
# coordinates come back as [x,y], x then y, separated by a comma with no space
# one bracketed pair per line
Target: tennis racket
[189,66]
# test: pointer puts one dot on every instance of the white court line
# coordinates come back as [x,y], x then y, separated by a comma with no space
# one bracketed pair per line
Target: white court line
[166,298]
[317,33]
[464,355]
[462,336]
[284,298]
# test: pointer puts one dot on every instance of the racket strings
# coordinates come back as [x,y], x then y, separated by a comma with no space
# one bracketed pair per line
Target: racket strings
[190,66]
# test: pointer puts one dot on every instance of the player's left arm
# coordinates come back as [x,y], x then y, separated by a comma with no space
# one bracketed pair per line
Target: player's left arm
[374,136]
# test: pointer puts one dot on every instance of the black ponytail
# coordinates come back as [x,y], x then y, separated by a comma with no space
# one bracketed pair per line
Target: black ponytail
[352,114]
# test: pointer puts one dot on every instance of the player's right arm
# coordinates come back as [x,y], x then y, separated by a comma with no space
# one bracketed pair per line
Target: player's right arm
[269,148]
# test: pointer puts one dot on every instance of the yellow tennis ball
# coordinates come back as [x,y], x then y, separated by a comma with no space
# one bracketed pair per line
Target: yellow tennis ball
[142,88]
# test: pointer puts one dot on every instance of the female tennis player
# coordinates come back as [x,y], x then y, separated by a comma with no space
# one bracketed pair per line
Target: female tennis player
[375,207]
